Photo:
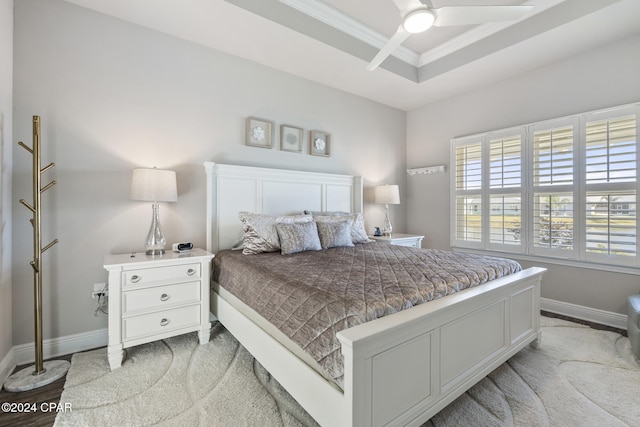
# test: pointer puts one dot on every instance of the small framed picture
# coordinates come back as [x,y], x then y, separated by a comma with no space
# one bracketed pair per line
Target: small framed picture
[291,138]
[258,132]
[319,143]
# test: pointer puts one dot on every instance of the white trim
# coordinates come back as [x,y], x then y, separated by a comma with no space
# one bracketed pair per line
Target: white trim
[7,365]
[595,315]
[25,353]
[480,32]
[343,22]
[552,260]
[346,24]
[549,122]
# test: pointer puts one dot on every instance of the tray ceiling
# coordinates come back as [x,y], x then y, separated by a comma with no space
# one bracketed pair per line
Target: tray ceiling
[332,41]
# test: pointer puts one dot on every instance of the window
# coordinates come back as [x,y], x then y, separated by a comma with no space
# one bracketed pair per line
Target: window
[468,200]
[553,145]
[610,202]
[564,188]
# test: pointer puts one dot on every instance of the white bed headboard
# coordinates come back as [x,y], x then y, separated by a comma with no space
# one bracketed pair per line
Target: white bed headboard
[231,189]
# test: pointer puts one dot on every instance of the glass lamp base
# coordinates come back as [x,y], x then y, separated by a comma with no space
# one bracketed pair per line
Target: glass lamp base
[387,228]
[155,239]
[155,251]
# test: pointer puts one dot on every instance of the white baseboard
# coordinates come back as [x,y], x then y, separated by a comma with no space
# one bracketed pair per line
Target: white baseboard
[594,315]
[7,366]
[25,353]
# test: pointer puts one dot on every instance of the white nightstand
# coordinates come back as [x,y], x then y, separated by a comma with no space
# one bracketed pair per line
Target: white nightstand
[401,239]
[156,297]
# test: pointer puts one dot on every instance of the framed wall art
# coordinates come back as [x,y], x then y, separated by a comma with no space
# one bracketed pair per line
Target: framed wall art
[258,132]
[319,143]
[291,138]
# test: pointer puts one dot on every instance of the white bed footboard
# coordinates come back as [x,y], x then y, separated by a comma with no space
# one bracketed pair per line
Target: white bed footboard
[403,369]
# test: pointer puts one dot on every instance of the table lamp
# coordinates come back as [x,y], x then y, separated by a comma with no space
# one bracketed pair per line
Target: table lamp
[154,185]
[387,195]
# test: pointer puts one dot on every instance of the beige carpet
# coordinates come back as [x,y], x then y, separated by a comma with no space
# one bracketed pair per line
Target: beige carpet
[577,377]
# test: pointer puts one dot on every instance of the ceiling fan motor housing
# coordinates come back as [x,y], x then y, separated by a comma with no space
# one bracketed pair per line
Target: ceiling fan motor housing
[418,20]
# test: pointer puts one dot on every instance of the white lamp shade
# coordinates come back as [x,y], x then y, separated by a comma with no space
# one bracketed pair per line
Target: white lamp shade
[387,194]
[154,185]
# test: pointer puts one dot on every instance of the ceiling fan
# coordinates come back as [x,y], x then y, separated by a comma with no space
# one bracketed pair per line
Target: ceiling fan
[418,17]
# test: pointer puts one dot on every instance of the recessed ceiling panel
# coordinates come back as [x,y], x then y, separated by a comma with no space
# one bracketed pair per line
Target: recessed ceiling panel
[384,17]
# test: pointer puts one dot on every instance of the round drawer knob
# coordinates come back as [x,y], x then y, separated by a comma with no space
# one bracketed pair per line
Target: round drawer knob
[165,322]
[135,278]
[191,272]
[164,297]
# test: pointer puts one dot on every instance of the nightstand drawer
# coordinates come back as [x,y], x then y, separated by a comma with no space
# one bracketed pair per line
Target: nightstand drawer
[405,243]
[160,297]
[157,323]
[168,273]
[400,239]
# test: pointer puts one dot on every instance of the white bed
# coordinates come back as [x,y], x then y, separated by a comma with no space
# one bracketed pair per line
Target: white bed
[400,369]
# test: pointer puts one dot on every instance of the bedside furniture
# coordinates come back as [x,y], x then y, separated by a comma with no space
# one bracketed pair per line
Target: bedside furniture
[156,297]
[401,239]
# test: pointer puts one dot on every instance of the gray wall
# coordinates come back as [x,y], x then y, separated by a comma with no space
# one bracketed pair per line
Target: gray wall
[597,79]
[113,96]
[6,141]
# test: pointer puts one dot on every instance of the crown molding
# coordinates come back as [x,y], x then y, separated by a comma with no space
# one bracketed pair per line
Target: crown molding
[481,31]
[333,17]
[345,23]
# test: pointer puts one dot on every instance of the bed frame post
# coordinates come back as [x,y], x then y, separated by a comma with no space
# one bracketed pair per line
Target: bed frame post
[211,206]
[358,197]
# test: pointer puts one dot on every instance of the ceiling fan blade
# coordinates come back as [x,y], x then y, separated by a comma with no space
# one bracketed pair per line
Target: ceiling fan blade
[393,43]
[407,6]
[471,15]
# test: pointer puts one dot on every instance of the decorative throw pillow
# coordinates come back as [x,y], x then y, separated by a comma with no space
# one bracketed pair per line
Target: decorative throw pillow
[333,234]
[260,234]
[358,233]
[298,237]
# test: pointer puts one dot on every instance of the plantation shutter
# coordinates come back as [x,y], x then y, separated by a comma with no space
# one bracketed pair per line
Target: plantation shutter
[611,187]
[553,188]
[467,225]
[505,182]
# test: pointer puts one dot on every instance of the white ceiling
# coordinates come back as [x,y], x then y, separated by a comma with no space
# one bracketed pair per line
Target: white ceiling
[335,44]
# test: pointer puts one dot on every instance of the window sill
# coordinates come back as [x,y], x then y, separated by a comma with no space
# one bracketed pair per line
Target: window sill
[548,260]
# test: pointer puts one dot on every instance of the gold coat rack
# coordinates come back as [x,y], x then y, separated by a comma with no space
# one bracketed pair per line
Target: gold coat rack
[43,372]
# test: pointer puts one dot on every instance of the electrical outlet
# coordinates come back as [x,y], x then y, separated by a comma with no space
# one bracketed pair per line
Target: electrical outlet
[100,290]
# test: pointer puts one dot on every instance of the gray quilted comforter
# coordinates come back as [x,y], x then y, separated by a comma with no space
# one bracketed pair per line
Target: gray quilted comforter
[312,295]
